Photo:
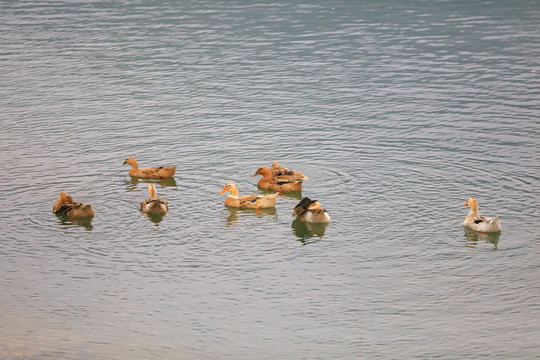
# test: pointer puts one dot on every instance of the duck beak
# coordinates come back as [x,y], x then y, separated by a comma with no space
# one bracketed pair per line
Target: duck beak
[254,175]
[467,203]
[125,162]
[222,191]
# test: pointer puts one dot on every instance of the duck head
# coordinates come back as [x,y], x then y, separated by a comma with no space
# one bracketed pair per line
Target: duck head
[131,161]
[65,197]
[472,203]
[230,187]
[264,171]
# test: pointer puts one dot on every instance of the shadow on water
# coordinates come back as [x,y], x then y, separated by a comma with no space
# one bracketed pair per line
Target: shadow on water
[306,232]
[472,238]
[131,185]
[83,222]
[234,214]
[155,218]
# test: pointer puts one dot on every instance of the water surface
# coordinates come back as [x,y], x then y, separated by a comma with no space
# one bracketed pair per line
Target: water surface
[398,112]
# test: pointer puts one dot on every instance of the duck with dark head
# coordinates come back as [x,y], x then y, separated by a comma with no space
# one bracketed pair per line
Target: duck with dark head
[311,211]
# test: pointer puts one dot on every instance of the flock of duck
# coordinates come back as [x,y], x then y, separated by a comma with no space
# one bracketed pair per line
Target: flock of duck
[276,178]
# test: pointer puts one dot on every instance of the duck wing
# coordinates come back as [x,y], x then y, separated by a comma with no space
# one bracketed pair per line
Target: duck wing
[63,209]
[481,219]
[246,200]
[283,181]
[488,224]
[279,171]
[151,172]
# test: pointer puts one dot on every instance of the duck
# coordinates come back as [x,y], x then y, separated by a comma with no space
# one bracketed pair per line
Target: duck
[154,204]
[162,172]
[247,201]
[65,205]
[270,182]
[480,223]
[282,172]
[311,211]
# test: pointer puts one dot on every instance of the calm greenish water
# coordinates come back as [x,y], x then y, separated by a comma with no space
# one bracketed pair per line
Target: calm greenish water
[397,111]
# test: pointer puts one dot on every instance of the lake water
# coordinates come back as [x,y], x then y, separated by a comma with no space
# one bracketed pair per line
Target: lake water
[397,111]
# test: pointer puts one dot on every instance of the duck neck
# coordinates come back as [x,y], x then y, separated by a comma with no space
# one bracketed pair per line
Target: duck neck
[233,192]
[134,165]
[152,191]
[473,212]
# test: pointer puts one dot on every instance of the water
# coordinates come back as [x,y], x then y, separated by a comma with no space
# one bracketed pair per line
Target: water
[396,111]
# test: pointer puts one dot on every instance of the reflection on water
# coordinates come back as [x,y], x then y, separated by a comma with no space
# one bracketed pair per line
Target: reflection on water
[234,214]
[131,185]
[292,195]
[288,195]
[83,222]
[472,238]
[305,231]
[155,218]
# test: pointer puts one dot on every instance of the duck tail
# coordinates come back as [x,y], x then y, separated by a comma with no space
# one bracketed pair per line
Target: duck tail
[490,225]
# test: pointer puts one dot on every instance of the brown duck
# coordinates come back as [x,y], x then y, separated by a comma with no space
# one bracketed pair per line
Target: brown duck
[161,172]
[73,209]
[270,182]
[154,204]
[247,201]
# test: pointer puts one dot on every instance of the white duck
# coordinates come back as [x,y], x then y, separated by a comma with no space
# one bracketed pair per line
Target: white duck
[480,223]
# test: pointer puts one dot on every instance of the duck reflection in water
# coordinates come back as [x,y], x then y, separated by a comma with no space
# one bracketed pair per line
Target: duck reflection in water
[294,195]
[153,217]
[305,231]
[473,238]
[82,222]
[131,185]
[232,215]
